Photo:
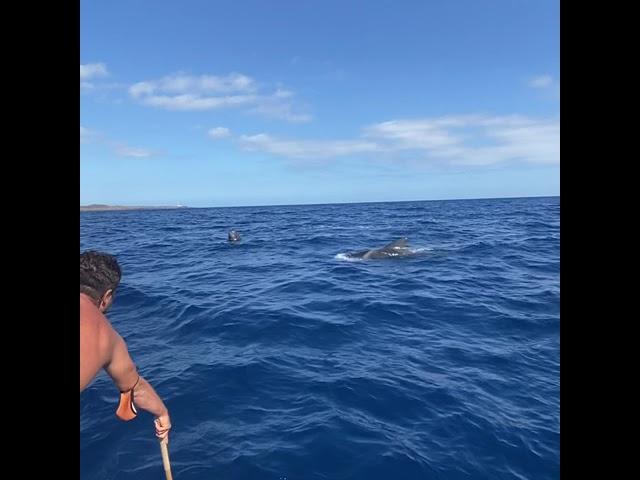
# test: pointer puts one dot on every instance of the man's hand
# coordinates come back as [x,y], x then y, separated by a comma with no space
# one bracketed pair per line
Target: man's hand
[163,425]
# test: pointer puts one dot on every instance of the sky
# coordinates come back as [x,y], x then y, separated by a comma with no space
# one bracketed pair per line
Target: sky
[227,103]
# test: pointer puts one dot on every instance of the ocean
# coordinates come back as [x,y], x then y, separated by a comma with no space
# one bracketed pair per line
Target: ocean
[281,358]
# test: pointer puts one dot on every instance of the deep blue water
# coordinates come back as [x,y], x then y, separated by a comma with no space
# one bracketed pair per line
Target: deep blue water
[278,359]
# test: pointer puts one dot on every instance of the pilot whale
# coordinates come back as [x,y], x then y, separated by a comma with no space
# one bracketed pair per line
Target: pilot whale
[397,248]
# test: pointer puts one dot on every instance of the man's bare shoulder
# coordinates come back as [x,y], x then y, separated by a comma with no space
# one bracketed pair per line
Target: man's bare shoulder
[92,319]
[96,340]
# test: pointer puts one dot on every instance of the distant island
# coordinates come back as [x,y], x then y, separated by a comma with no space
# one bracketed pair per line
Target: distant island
[110,208]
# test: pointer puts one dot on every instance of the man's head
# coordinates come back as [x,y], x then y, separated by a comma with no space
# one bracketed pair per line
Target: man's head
[99,277]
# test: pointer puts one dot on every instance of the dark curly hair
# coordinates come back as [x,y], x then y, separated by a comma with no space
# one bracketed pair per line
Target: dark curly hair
[99,272]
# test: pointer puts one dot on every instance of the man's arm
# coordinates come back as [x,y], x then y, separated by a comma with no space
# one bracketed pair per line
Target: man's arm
[123,371]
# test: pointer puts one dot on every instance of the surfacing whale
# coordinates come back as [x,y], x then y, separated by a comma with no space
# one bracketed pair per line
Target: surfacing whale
[394,249]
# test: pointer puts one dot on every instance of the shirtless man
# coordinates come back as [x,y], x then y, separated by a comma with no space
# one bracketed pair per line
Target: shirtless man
[101,347]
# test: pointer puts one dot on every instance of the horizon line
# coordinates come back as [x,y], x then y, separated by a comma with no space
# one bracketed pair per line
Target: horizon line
[183,206]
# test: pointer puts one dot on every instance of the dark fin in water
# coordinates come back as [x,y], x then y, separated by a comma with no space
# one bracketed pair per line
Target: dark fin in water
[401,243]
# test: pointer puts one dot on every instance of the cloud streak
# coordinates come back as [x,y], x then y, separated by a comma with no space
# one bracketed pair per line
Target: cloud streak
[182,92]
[306,149]
[119,148]
[455,140]
[545,83]
[124,150]
[219,132]
[91,71]
[541,81]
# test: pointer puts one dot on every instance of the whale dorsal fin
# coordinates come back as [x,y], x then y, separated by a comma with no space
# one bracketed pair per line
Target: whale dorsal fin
[400,243]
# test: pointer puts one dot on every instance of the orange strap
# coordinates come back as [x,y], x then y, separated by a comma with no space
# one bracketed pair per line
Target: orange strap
[126,409]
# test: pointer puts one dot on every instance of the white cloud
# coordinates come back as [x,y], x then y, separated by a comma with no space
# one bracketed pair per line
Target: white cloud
[455,140]
[412,134]
[189,102]
[141,89]
[219,132]
[306,149]
[92,70]
[283,111]
[545,83]
[181,92]
[132,152]
[541,81]
[181,83]
[201,86]
[283,93]
[119,148]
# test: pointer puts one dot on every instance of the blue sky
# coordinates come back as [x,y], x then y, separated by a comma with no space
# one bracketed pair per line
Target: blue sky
[220,103]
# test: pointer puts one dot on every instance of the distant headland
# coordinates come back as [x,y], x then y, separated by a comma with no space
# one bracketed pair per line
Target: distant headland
[110,208]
